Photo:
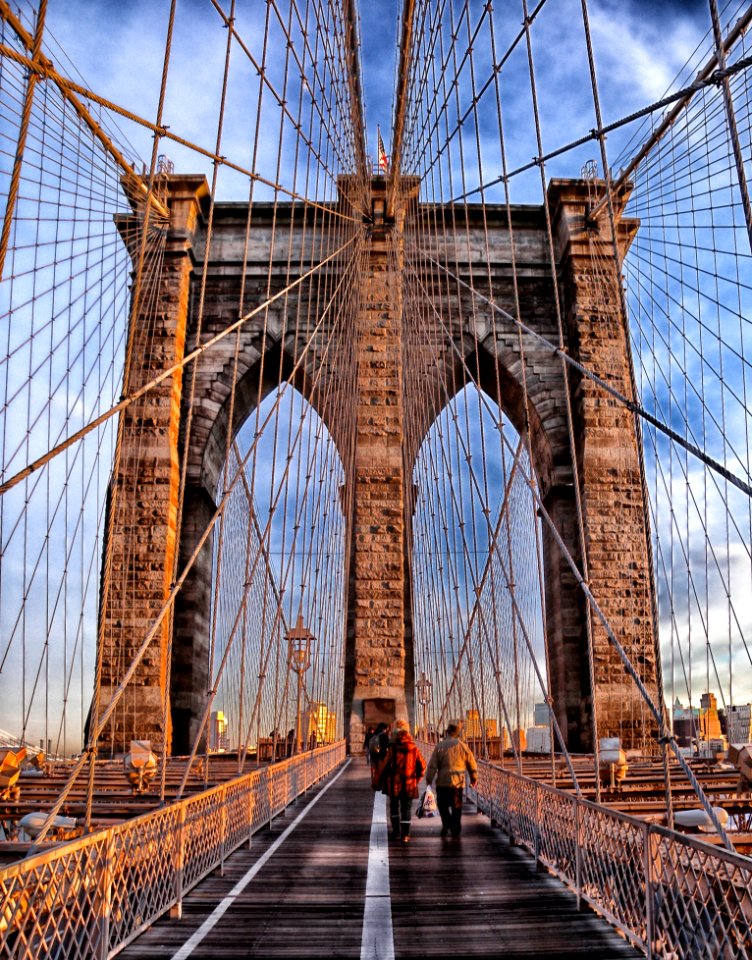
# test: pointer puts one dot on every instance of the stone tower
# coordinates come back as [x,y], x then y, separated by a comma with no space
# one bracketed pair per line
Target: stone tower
[379,663]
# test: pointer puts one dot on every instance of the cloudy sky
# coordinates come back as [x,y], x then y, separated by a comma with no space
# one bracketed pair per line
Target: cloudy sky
[117,45]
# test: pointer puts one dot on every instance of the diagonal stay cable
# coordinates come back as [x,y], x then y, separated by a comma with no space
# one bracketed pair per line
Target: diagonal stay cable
[597,133]
[631,405]
[48,72]
[493,549]
[188,358]
[169,602]
[261,553]
[665,734]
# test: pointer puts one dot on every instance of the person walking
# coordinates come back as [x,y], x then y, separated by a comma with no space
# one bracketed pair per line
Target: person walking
[366,751]
[378,746]
[404,768]
[450,761]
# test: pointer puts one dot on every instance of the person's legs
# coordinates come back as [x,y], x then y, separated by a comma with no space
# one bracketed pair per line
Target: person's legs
[444,800]
[456,812]
[406,812]
[394,816]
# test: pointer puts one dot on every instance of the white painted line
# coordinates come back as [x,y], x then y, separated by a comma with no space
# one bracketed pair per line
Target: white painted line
[211,921]
[378,936]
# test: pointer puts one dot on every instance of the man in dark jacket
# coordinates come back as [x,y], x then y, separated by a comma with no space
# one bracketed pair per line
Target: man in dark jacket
[377,748]
[450,761]
[366,741]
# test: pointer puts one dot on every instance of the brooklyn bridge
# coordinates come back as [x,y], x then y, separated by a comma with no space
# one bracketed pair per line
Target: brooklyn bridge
[362,366]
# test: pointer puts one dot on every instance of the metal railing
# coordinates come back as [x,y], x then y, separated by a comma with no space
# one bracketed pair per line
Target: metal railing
[673,896]
[91,897]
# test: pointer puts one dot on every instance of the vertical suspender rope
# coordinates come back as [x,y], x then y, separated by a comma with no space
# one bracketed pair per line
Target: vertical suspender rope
[568,403]
[617,285]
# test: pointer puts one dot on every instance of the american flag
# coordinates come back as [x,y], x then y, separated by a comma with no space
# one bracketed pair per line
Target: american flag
[383,158]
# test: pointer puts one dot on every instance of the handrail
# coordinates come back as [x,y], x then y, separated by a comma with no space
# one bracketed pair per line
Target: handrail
[670,894]
[93,896]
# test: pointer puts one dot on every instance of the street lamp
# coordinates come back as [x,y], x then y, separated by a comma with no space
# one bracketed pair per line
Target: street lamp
[423,688]
[299,643]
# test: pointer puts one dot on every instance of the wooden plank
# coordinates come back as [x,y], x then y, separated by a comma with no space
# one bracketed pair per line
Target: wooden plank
[476,897]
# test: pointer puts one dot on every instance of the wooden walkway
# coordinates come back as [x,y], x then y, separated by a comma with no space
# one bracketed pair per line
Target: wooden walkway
[474,897]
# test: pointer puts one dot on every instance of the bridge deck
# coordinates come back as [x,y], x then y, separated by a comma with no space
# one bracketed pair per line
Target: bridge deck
[475,897]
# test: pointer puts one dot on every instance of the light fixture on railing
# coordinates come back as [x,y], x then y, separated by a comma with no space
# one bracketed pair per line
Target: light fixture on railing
[423,688]
[300,641]
[140,765]
[10,771]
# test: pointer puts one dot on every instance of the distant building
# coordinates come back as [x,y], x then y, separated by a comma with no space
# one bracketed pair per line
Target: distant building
[740,723]
[710,723]
[322,724]
[218,736]
[538,736]
[538,739]
[686,723]
[474,726]
[680,712]
[541,715]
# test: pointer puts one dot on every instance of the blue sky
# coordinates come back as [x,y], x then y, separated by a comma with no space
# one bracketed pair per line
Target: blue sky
[117,46]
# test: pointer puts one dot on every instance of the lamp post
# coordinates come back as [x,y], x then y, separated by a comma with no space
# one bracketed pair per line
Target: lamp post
[423,688]
[299,642]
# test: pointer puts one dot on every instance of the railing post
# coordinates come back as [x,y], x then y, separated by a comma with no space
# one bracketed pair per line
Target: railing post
[502,800]
[251,809]
[222,832]
[270,793]
[537,845]
[176,911]
[286,788]
[107,869]
[510,812]
[578,851]
[651,853]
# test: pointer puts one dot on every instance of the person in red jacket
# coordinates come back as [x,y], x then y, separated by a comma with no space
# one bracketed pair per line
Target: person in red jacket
[404,768]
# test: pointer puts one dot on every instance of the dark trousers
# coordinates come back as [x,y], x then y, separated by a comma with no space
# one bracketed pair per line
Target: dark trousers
[449,802]
[400,813]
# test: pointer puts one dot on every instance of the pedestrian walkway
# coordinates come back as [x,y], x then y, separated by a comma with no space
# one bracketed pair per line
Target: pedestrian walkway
[330,887]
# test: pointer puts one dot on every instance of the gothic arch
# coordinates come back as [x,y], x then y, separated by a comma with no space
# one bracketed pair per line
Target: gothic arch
[477,252]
